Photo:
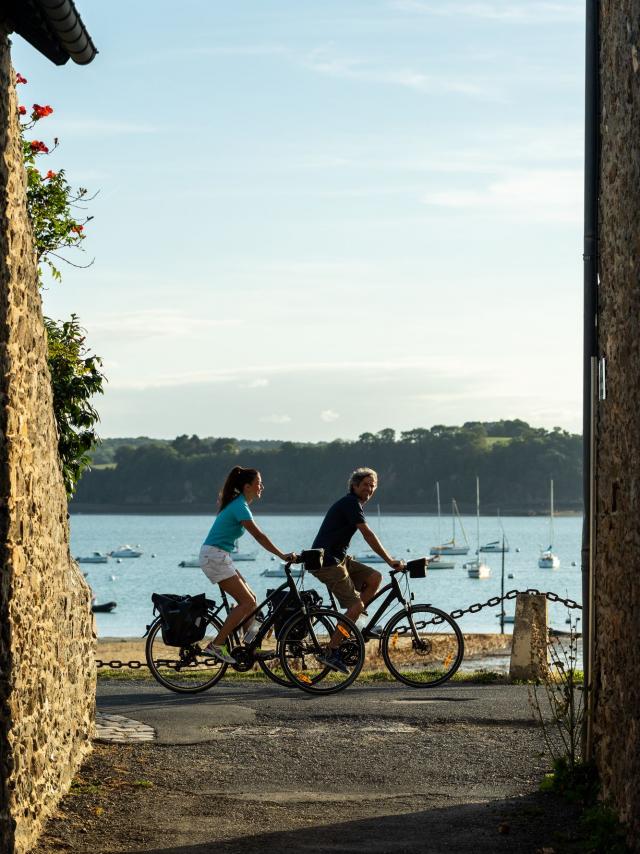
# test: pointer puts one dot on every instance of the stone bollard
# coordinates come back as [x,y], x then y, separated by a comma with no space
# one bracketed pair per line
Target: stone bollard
[529,658]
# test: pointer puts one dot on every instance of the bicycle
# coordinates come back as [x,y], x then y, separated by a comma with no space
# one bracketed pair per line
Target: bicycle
[421,645]
[303,629]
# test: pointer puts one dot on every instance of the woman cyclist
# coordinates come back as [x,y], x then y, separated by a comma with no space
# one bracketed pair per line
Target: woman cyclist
[242,486]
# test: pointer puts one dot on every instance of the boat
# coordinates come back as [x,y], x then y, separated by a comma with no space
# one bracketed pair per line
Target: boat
[497,546]
[94,557]
[103,608]
[238,555]
[476,568]
[369,557]
[507,618]
[192,561]
[547,559]
[437,562]
[278,571]
[451,547]
[372,557]
[125,551]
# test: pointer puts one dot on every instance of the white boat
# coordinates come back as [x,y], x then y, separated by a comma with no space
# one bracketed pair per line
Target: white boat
[451,547]
[476,568]
[278,571]
[125,551]
[508,618]
[94,557]
[497,546]
[547,559]
[372,557]
[369,557]
[437,562]
[238,555]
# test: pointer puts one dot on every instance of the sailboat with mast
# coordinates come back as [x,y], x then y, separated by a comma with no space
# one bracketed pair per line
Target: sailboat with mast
[547,559]
[476,568]
[497,546]
[440,562]
[451,547]
[372,557]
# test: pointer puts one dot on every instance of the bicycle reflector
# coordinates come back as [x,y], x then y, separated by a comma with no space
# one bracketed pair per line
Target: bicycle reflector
[312,558]
[418,567]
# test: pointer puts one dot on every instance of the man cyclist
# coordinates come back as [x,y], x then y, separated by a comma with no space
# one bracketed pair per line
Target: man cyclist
[353,584]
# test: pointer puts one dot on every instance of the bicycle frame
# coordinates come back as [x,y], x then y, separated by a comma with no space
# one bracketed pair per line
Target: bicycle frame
[268,624]
[395,595]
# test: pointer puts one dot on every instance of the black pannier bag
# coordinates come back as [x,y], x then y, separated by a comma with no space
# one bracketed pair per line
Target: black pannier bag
[183,617]
[310,598]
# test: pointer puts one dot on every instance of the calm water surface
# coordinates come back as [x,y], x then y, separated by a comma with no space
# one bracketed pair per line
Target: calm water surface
[171,539]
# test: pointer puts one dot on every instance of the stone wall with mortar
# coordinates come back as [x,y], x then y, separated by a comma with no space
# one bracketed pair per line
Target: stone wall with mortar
[617,568]
[47,676]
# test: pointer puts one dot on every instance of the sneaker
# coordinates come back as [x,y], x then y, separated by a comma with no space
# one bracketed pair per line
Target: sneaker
[333,659]
[219,652]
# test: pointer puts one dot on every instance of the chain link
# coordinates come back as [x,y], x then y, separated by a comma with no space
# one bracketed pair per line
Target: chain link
[493,602]
[496,600]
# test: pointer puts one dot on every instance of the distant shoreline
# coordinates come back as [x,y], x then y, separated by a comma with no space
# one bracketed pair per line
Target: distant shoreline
[81,508]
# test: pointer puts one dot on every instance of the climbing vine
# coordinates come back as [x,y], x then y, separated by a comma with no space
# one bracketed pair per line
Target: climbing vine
[57,216]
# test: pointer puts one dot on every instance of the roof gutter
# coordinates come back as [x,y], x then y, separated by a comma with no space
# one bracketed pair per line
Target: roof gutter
[66,24]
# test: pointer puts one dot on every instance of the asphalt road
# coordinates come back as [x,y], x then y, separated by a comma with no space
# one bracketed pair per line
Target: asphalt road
[251,767]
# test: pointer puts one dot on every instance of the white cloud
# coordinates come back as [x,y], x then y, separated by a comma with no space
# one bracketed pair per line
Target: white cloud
[322,61]
[275,419]
[328,416]
[537,194]
[259,382]
[157,322]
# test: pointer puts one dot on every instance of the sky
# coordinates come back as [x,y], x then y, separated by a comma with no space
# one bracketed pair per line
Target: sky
[317,218]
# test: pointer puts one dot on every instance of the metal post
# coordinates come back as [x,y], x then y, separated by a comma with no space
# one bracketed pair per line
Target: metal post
[590,340]
[502,591]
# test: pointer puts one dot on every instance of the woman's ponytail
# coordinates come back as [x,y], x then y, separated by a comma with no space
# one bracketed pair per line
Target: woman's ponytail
[236,480]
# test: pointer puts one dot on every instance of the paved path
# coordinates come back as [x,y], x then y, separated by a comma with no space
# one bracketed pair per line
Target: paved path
[251,767]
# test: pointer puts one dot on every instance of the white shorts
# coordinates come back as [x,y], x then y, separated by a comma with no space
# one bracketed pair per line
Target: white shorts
[216,564]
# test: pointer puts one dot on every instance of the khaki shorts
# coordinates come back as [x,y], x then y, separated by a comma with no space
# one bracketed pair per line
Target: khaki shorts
[345,579]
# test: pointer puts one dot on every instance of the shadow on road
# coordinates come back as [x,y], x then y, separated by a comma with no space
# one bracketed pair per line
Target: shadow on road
[517,826]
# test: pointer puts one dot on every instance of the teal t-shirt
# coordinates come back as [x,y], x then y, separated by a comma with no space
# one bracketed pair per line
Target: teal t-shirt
[226,528]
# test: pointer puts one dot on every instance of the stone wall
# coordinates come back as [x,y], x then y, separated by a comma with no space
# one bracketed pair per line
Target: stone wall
[617,595]
[47,677]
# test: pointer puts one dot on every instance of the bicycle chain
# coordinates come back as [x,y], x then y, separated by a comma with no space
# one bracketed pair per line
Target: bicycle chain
[460,612]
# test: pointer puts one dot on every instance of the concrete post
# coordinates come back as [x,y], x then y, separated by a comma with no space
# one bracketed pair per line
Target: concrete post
[529,655]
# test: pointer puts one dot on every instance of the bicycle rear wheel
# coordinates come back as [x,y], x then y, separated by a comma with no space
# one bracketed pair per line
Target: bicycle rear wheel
[272,667]
[183,669]
[423,646]
[305,640]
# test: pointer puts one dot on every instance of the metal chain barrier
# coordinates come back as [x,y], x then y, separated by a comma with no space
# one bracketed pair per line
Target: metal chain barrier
[493,602]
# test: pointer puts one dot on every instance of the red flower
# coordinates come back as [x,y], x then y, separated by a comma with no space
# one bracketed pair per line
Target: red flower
[77,228]
[20,78]
[40,112]
[38,147]
[50,175]
[22,111]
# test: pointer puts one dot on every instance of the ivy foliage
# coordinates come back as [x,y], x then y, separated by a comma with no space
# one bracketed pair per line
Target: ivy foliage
[75,378]
[75,372]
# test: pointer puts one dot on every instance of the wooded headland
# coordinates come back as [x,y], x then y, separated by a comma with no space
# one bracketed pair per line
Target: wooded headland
[514,462]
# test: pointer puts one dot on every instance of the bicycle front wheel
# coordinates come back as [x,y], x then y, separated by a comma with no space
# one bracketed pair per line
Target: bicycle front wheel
[422,646]
[183,669]
[272,667]
[304,643]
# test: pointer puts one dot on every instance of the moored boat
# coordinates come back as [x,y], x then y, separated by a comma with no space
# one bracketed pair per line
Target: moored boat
[125,551]
[94,557]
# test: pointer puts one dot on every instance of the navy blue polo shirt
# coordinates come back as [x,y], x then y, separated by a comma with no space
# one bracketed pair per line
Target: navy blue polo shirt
[338,527]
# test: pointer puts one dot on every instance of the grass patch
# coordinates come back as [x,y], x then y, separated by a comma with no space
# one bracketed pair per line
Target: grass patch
[368,677]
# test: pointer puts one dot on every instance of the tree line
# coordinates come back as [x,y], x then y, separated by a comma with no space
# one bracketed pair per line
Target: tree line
[513,460]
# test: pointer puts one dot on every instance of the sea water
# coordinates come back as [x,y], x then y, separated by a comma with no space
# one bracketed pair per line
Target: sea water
[167,540]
